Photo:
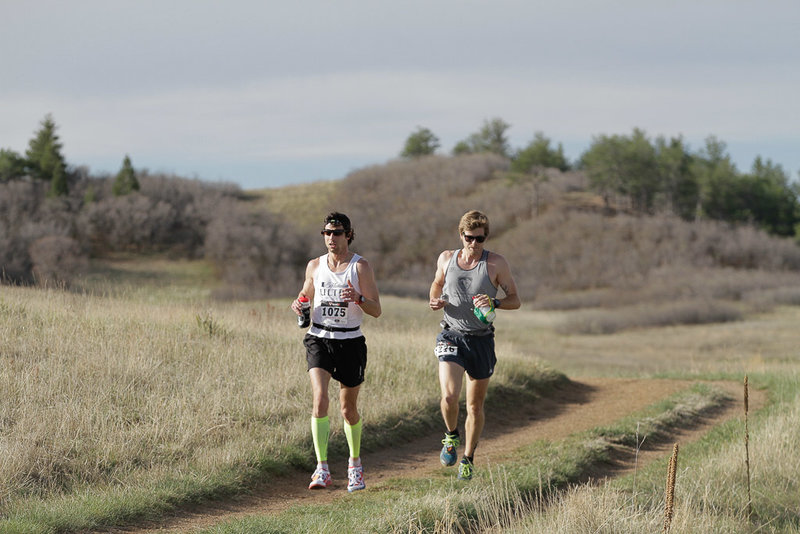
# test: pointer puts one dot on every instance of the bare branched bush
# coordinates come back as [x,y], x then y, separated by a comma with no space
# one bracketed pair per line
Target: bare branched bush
[167,214]
[567,251]
[27,216]
[57,260]
[129,223]
[257,254]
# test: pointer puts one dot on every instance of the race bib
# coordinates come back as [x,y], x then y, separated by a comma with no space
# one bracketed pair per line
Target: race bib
[334,313]
[445,349]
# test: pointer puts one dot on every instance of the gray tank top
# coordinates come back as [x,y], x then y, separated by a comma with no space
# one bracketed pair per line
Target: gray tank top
[460,286]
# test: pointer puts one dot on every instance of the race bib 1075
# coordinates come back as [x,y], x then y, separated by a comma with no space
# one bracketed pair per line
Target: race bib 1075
[334,313]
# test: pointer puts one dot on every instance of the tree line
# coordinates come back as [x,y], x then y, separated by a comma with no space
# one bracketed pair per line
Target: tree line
[44,161]
[406,211]
[660,175]
[54,218]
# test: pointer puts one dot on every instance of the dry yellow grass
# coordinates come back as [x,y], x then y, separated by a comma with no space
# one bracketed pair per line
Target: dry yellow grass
[109,390]
[760,343]
[114,390]
[298,203]
[97,389]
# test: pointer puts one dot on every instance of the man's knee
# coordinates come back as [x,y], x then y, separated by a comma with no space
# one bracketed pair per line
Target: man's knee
[450,399]
[350,414]
[475,408]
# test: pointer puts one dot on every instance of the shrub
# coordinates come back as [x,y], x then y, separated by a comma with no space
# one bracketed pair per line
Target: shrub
[56,260]
[256,254]
[166,214]
[26,215]
[567,250]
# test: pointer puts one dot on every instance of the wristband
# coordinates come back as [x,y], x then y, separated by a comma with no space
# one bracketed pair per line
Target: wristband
[496,303]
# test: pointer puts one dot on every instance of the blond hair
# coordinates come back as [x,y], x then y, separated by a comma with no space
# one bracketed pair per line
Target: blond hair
[472,220]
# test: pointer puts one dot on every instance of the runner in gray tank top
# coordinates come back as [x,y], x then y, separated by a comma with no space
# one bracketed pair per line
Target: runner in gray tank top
[467,279]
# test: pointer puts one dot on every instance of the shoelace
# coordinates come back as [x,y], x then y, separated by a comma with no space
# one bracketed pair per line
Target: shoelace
[466,470]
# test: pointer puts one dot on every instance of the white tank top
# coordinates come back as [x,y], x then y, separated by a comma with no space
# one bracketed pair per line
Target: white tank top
[330,314]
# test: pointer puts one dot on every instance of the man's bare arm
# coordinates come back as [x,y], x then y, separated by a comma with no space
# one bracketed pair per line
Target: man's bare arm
[436,303]
[308,285]
[505,281]
[369,289]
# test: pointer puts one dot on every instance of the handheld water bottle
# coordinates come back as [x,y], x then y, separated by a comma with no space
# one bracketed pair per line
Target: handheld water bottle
[486,314]
[305,307]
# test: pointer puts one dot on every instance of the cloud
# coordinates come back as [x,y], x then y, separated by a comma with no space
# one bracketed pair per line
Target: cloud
[369,114]
[206,85]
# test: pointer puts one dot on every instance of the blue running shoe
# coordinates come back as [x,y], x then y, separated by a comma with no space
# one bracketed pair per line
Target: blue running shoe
[465,470]
[448,455]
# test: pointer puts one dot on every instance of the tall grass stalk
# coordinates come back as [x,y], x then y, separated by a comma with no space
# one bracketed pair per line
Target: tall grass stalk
[747,447]
[669,501]
[636,456]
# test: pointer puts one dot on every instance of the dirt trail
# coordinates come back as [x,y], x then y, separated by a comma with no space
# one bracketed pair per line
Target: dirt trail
[584,404]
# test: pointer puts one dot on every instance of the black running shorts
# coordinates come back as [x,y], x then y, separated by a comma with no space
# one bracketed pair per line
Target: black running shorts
[344,359]
[474,353]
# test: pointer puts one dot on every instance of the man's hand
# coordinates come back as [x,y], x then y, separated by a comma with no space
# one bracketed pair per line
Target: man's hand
[437,303]
[479,301]
[295,306]
[349,294]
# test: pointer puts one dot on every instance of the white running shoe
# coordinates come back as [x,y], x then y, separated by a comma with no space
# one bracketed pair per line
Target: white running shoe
[355,478]
[321,479]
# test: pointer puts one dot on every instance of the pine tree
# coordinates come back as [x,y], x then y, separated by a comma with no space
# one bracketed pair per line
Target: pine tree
[125,182]
[44,159]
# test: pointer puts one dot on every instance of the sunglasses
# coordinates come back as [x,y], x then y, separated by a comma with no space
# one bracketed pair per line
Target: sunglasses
[336,232]
[478,238]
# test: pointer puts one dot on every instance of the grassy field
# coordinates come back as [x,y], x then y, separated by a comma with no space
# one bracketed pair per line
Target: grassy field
[136,394]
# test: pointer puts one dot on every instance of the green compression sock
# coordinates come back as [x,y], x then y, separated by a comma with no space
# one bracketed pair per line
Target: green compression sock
[320,429]
[353,435]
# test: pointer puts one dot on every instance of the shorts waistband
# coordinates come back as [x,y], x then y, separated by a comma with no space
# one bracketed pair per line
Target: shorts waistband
[335,328]
[487,332]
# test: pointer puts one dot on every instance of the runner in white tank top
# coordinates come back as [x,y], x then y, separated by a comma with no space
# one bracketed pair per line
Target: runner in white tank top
[342,287]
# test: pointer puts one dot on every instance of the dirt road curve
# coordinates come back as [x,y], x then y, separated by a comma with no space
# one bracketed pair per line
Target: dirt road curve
[585,404]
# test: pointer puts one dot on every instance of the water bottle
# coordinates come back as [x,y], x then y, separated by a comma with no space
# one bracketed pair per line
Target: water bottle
[486,314]
[305,308]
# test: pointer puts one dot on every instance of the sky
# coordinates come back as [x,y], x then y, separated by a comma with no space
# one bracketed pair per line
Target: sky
[271,93]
